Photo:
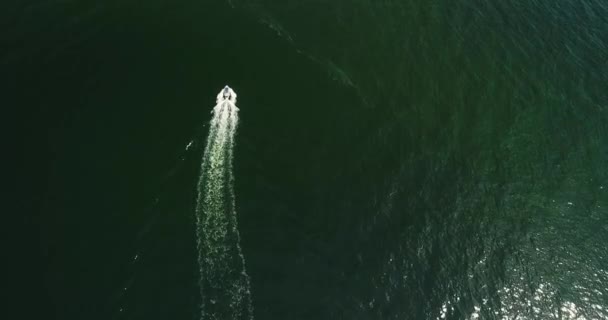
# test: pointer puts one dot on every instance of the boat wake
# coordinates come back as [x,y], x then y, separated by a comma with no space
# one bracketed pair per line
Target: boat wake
[224,283]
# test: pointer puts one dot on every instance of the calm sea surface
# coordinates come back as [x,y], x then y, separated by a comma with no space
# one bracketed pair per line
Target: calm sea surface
[402,159]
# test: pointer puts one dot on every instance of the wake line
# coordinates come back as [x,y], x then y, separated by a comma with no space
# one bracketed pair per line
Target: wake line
[224,282]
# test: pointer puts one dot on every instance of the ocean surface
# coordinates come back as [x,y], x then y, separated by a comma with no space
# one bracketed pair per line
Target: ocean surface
[394,159]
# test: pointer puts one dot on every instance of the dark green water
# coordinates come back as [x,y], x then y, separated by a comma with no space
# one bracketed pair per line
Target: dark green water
[394,159]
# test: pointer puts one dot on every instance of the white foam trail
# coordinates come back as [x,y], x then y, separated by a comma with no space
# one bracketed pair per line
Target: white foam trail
[224,283]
